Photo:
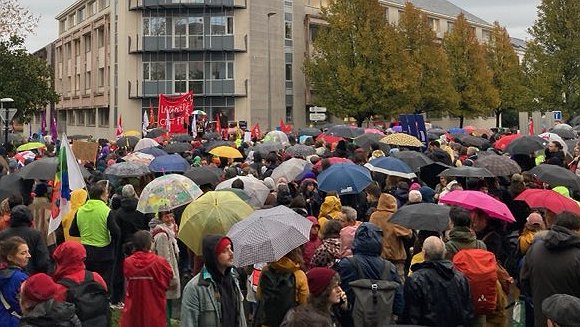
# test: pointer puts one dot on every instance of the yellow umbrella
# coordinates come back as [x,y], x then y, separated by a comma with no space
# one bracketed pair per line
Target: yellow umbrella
[213,213]
[401,139]
[226,152]
[30,146]
[132,133]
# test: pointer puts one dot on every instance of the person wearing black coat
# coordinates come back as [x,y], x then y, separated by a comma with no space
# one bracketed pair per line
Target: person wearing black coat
[21,225]
[554,154]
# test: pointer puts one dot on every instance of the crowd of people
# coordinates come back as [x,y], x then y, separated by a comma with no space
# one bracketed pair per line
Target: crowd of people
[357,268]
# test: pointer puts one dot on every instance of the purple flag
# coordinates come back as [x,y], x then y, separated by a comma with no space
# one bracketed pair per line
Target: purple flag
[53,132]
[43,122]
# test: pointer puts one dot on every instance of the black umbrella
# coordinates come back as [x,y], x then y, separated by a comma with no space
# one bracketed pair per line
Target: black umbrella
[265,148]
[556,176]
[422,216]
[177,147]
[182,138]
[127,141]
[212,136]
[44,169]
[156,132]
[469,140]
[430,173]
[436,131]
[498,165]
[526,145]
[574,121]
[14,184]
[345,131]
[366,140]
[308,131]
[467,171]
[566,134]
[414,159]
[204,175]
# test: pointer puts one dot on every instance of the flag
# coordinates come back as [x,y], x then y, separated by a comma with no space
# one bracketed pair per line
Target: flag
[256,133]
[119,130]
[194,126]
[43,122]
[145,122]
[68,178]
[151,116]
[53,131]
[285,128]
[218,125]
[531,127]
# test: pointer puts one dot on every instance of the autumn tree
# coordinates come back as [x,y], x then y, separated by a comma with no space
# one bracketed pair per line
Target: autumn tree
[471,77]
[552,61]
[15,19]
[507,73]
[434,89]
[359,67]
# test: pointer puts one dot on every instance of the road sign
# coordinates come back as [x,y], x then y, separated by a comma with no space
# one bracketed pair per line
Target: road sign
[557,115]
[318,116]
[317,109]
[10,111]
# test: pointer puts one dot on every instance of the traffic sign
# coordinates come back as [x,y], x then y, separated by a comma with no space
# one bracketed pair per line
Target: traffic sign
[557,115]
[7,111]
[317,109]
[318,116]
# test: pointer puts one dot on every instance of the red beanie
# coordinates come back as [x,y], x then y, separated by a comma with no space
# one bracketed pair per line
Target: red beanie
[39,288]
[319,279]
[222,244]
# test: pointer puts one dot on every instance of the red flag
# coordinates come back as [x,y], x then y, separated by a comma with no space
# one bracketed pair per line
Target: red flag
[218,124]
[151,116]
[285,128]
[531,127]
[256,133]
[119,130]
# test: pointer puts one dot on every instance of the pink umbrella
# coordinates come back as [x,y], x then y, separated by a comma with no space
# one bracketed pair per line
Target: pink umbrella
[478,200]
[332,161]
[373,131]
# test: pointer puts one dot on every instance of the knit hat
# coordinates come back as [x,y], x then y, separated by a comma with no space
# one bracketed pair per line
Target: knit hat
[415,186]
[270,184]
[562,309]
[38,288]
[415,196]
[128,191]
[20,215]
[535,218]
[319,279]
[222,245]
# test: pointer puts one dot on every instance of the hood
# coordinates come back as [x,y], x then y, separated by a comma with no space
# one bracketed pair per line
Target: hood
[78,197]
[331,207]
[140,261]
[69,258]
[427,194]
[462,234]
[50,313]
[209,245]
[561,238]
[6,274]
[368,240]
[285,264]
[387,202]
[443,267]
[562,190]
[129,204]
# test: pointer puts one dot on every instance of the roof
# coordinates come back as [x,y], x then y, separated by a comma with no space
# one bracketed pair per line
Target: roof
[518,44]
[442,7]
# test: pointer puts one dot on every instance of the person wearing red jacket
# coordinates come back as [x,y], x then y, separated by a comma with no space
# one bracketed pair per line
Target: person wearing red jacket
[147,276]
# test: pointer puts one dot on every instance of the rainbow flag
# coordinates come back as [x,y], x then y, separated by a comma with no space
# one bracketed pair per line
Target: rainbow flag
[68,178]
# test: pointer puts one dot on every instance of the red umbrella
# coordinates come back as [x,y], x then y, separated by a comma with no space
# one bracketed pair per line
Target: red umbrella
[478,200]
[328,138]
[332,161]
[469,129]
[502,143]
[551,200]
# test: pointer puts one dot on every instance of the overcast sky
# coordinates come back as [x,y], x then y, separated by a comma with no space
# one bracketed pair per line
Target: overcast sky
[516,15]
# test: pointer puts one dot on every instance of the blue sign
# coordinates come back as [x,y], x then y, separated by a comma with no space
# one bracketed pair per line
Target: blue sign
[414,124]
[557,115]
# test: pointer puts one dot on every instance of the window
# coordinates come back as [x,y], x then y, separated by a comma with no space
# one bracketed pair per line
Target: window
[80,15]
[153,26]
[101,77]
[222,70]
[103,4]
[485,35]
[180,77]
[104,117]
[101,37]
[70,117]
[62,26]
[288,30]
[153,71]
[71,20]
[220,25]
[434,24]
[77,45]
[77,82]
[91,117]
[88,43]
[183,28]
[450,26]
[288,72]
[87,80]
[80,115]
[313,31]
[91,8]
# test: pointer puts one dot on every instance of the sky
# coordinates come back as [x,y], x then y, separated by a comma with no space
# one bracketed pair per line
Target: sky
[516,15]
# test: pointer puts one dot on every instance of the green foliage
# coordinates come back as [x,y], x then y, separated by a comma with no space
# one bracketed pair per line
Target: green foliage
[552,61]
[24,78]
[471,77]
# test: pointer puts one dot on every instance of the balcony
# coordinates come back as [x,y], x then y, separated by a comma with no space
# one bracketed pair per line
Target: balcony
[167,4]
[212,88]
[171,43]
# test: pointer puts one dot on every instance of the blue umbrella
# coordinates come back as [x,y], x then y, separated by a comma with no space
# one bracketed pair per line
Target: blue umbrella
[344,178]
[170,162]
[456,130]
[156,152]
[391,166]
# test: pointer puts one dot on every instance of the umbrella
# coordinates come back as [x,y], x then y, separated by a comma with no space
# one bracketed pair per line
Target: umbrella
[554,137]
[30,146]
[551,200]
[145,143]
[467,171]
[390,166]
[566,134]
[332,160]
[265,148]
[243,195]
[563,126]
[436,131]
[478,200]
[204,175]
[556,176]
[422,216]
[328,138]
[498,165]
[170,162]
[156,152]
[300,150]
[177,147]
[571,144]
[182,138]
[139,157]
[127,141]
[156,132]
[344,178]
[469,140]
[226,152]
[166,193]
[267,235]
[132,133]
[413,159]
[199,112]
[13,184]
[526,145]
[44,169]
[456,130]
[430,173]
[366,140]
[212,136]
[373,131]
[345,131]
[212,213]
[309,131]
[127,169]
[502,143]
[289,169]
[214,144]
[253,186]
[276,136]
[402,139]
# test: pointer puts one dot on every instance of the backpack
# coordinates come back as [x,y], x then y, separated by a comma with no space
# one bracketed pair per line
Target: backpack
[278,290]
[480,268]
[91,300]
[373,299]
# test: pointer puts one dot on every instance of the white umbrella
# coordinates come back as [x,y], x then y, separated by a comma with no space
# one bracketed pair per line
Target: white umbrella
[253,186]
[276,136]
[554,137]
[289,169]
[267,235]
[145,143]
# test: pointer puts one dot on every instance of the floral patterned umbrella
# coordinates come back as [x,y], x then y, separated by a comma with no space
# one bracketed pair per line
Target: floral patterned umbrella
[166,193]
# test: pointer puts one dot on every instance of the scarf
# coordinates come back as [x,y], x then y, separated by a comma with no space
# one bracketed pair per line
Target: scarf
[171,232]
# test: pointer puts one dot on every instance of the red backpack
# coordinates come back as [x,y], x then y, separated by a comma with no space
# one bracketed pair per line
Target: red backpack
[480,268]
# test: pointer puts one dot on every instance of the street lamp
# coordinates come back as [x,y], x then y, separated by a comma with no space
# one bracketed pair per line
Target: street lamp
[5,113]
[270,14]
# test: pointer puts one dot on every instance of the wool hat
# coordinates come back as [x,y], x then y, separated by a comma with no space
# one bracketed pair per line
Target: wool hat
[415,196]
[222,245]
[562,309]
[128,191]
[39,288]
[269,183]
[535,218]
[319,279]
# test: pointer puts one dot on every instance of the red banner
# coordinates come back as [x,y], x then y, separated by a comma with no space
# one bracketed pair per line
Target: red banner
[179,109]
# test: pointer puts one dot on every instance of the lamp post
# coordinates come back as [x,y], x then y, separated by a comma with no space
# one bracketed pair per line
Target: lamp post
[270,14]
[5,113]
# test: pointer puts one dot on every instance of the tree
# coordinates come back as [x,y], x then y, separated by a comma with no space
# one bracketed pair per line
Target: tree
[25,78]
[507,78]
[359,67]
[434,89]
[471,77]
[15,19]
[552,60]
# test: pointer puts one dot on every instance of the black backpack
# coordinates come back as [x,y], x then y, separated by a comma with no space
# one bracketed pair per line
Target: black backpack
[278,290]
[90,299]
